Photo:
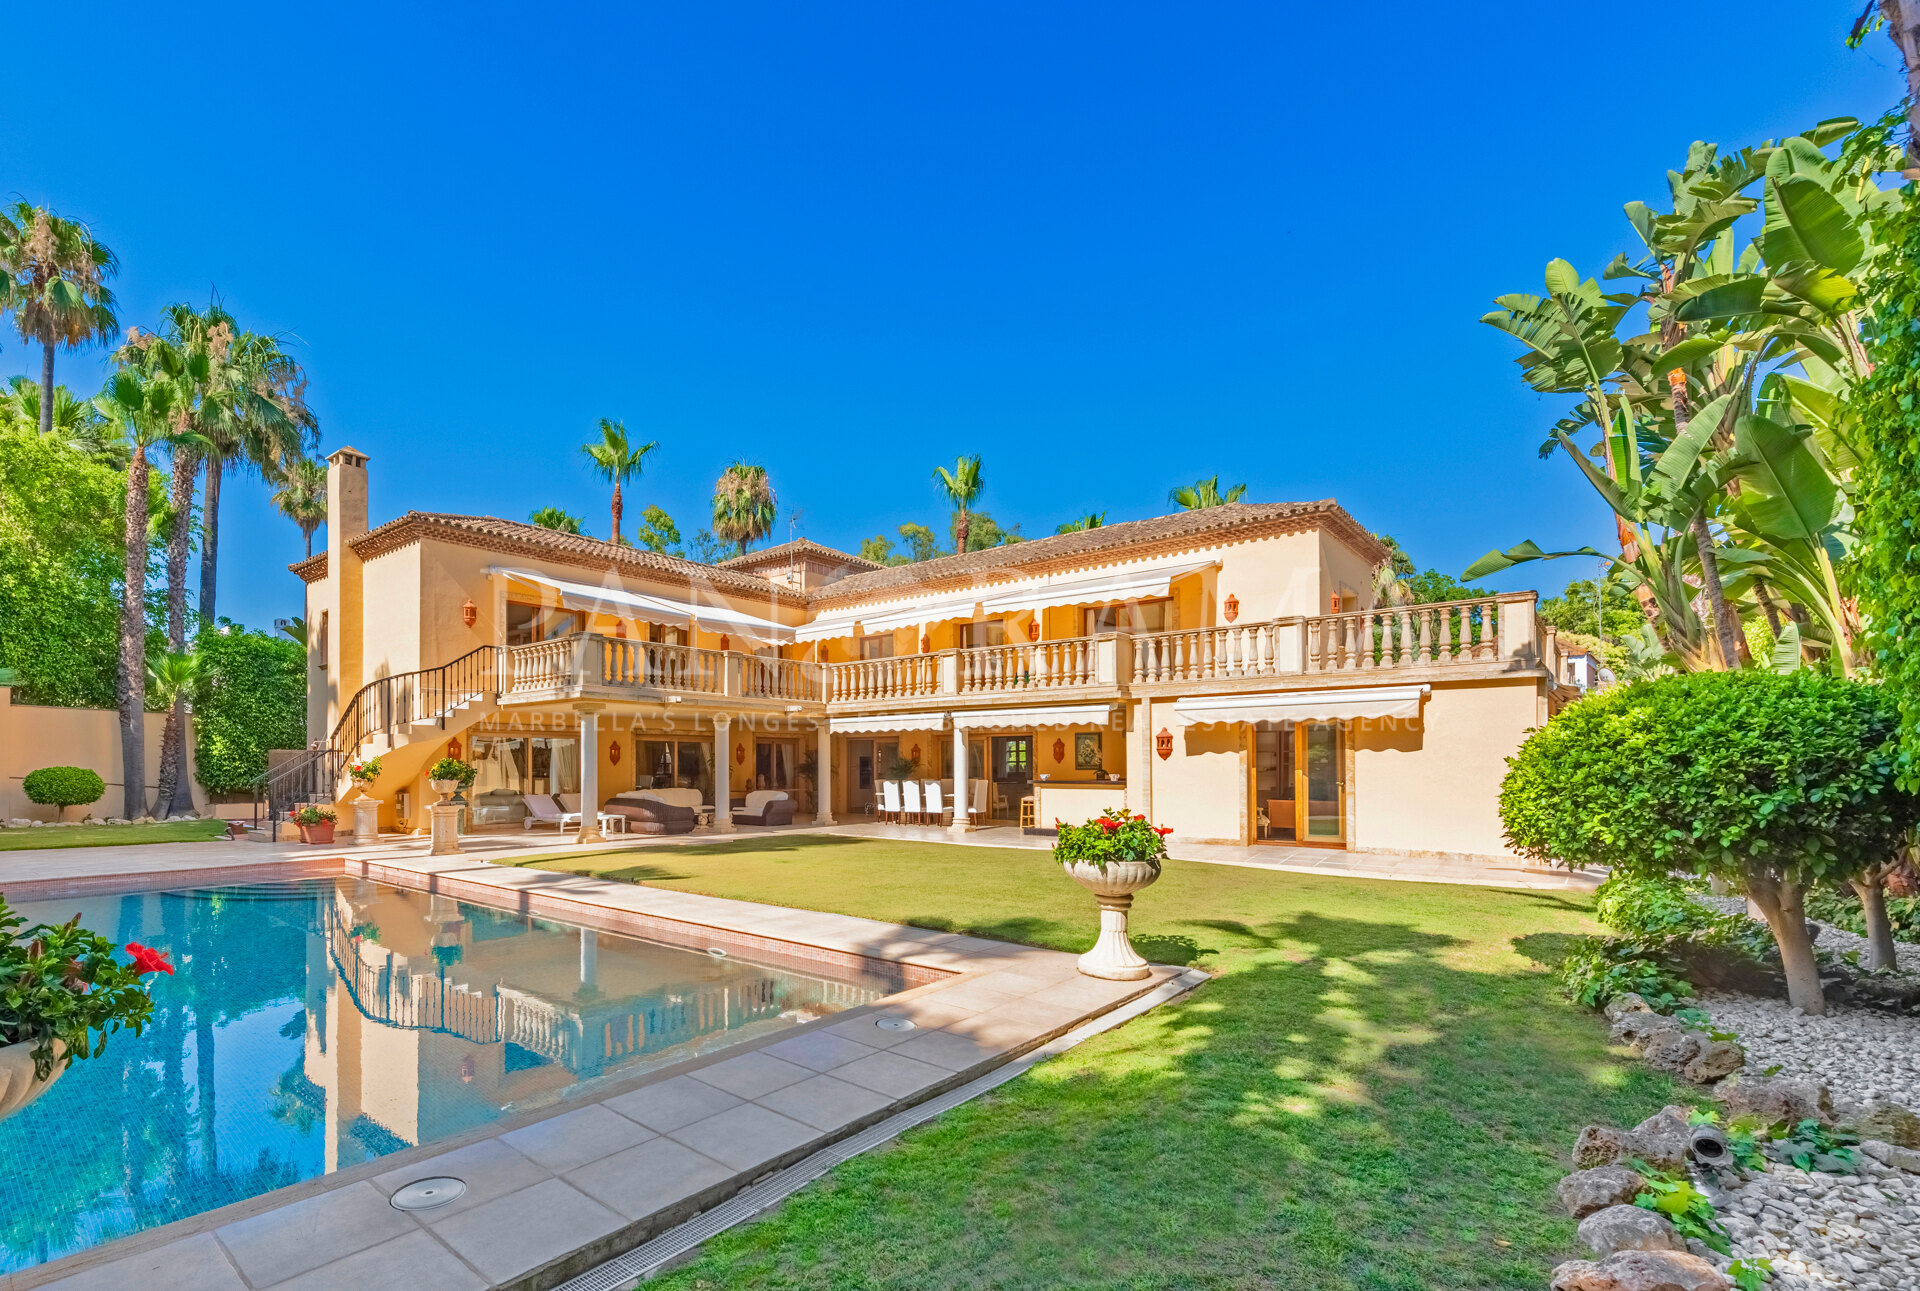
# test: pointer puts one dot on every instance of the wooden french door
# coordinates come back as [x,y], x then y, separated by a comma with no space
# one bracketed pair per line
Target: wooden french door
[1299,788]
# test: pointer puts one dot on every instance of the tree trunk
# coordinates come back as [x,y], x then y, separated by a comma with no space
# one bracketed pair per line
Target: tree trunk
[1724,629]
[1903,25]
[619,514]
[210,539]
[46,388]
[1784,906]
[306,531]
[173,743]
[961,527]
[133,642]
[1872,891]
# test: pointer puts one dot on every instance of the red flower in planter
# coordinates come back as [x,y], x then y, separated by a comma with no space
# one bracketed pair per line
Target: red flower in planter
[1109,825]
[1163,830]
[148,960]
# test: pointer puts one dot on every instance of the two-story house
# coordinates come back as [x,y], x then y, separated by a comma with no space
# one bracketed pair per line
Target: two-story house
[1223,671]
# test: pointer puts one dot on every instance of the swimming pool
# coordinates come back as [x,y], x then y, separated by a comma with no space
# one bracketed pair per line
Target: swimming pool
[314,1025]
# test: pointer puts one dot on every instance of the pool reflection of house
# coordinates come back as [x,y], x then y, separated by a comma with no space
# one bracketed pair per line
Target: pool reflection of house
[426,1017]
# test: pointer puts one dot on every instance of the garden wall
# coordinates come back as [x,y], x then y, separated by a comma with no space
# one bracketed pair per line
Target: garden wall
[32,737]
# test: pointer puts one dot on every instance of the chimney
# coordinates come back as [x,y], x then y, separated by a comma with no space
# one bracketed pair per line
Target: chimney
[346,497]
[346,520]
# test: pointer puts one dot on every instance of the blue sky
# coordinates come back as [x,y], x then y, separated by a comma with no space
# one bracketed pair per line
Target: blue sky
[1112,247]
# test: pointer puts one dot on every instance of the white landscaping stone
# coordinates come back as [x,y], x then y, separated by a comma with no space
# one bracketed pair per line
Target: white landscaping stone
[1860,1054]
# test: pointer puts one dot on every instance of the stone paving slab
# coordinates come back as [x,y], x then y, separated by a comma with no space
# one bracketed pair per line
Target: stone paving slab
[554,1192]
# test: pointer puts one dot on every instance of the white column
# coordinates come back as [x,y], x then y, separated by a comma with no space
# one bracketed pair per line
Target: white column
[961,785]
[823,777]
[589,777]
[589,957]
[722,773]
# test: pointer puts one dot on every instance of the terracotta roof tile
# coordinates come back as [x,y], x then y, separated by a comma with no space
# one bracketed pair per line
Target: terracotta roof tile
[798,547]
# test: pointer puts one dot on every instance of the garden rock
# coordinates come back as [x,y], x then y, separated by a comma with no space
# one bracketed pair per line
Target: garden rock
[1661,1140]
[1628,1228]
[1600,1145]
[1775,1098]
[1638,1029]
[1586,1191]
[1716,1060]
[1640,1271]
[1671,1049]
[1878,1119]
[1890,1154]
[1621,1005]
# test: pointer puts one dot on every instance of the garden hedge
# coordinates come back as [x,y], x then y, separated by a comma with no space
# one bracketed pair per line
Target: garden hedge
[63,786]
[255,699]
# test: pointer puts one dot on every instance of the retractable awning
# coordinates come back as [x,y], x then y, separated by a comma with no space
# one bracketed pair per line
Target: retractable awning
[1020,719]
[843,625]
[1302,706]
[889,723]
[1122,585]
[597,599]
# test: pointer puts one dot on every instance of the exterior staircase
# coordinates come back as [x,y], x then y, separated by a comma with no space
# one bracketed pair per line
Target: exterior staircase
[390,718]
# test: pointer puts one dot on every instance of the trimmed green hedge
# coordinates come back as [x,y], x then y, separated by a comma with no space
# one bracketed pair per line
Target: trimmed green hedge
[254,698]
[63,786]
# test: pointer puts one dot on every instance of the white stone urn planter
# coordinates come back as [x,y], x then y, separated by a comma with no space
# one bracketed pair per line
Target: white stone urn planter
[18,1085]
[445,788]
[1113,956]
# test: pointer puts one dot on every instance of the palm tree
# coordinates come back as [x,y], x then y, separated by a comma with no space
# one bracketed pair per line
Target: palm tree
[302,495]
[174,676]
[962,486]
[555,519]
[143,402]
[616,462]
[1202,494]
[75,420]
[1091,520]
[743,506]
[55,286]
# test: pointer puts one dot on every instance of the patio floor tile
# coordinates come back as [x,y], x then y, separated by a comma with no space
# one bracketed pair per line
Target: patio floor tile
[514,1234]
[954,1052]
[671,1103]
[889,1073]
[489,1168]
[644,1179]
[818,1051]
[562,1142]
[824,1102]
[414,1261]
[193,1264]
[745,1136]
[972,996]
[751,1074]
[288,1240]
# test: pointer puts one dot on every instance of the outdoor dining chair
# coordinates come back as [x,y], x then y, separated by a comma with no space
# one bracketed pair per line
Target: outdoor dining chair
[890,800]
[910,800]
[936,807]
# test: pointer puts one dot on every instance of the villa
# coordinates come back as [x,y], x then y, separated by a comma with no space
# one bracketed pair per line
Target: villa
[1223,671]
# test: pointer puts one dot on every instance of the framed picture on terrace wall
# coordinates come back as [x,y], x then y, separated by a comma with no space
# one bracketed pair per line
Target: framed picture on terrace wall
[1086,751]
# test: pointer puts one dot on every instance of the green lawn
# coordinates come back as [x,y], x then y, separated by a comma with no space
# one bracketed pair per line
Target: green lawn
[171,831]
[1378,1090]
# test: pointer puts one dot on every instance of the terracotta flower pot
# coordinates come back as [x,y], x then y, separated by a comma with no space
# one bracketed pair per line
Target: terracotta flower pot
[320,833]
[1113,956]
[18,1085]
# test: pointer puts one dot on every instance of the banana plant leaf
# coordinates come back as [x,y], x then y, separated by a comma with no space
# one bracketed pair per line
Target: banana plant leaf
[1822,229]
[1789,493]
[1786,649]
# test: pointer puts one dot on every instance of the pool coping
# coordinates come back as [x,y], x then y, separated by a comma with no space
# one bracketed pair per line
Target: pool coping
[982,1003]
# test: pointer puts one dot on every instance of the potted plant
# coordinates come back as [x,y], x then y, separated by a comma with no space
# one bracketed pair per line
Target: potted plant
[363,772]
[449,775]
[1113,856]
[315,823]
[64,993]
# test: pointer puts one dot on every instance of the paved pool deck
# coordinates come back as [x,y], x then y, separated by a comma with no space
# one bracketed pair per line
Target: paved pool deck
[508,846]
[553,1193]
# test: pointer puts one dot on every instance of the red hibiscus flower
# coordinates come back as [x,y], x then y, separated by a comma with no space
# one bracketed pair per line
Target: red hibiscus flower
[1109,825]
[1163,830]
[148,960]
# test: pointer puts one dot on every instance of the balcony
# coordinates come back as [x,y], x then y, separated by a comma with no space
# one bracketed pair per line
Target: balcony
[588,666]
[1486,635]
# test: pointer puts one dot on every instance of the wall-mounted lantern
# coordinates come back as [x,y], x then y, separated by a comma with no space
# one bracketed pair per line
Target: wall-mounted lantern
[1033,629]
[453,747]
[469,613]
[1232,607]
[1163,744]
[613,753]
[726,642]
[1059,750]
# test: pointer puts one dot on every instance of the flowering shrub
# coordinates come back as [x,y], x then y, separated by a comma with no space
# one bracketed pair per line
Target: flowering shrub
[453,769]
[1116,836]
[64,984]
[364,771]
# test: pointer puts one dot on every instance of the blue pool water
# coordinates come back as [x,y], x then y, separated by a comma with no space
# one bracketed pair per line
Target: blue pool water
[312,1026]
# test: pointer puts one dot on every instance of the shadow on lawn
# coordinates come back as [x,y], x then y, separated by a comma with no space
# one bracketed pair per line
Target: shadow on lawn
[1342,1108]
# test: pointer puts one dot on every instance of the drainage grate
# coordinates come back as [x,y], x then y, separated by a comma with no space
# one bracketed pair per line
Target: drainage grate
[627,1271]
[894,1024]
[429,1194]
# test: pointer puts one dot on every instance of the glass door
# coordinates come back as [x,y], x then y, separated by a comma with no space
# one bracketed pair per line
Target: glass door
[1012,774]
[860,782]
[1273,796]
[1321,783]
